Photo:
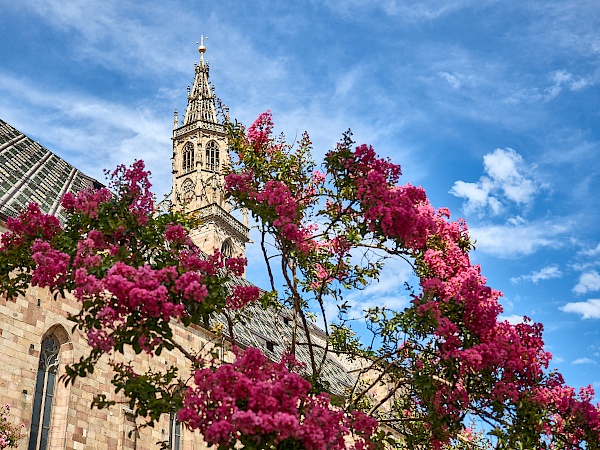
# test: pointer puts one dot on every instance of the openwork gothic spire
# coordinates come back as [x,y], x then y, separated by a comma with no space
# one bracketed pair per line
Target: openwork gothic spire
[201,98]
[199,158]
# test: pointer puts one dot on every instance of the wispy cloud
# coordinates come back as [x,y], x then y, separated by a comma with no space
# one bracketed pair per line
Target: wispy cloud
[588,282]
[518,237]
[556,82]
[562,79]
[545,273]
[589,309]
[454,80]
[424,10]
[579,361]
[505,181]
[591,251]
[117,34]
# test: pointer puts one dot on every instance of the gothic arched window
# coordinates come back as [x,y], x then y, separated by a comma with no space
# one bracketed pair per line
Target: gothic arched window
[212,156]
[44,393]
[188,157]
[227,248]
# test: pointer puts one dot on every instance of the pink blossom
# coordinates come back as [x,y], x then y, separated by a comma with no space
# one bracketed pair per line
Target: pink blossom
[260,131]
[256,399]
[176,233]
[51,265]
[87,201]
[241,296]
[236,265]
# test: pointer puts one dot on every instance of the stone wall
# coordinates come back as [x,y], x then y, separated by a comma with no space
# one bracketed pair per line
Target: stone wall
[24,322]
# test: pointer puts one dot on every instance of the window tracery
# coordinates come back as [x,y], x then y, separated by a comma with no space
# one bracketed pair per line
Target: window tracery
[188,157]
[44,393]
[212,156]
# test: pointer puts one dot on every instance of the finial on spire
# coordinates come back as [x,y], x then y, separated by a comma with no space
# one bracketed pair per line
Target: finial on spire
[202,48]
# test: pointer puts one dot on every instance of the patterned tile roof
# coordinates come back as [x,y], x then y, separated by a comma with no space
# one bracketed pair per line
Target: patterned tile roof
[30,172]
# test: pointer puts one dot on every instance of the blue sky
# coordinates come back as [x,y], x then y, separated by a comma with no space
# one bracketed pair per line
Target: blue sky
[491,106]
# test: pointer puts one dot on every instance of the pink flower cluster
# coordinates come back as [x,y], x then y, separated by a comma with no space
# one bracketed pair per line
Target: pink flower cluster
[399,212]
[236,265]
[282,200]
[241,296]
[256,401]
[51,265]
[133,184]
[86,201]
[176,233]
[471,339]
[277,195]
[259,133]
[31,224]
[9,434]
[284,207]
[575,418]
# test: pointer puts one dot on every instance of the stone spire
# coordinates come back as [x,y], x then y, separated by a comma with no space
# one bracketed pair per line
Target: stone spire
[201,98]
[200,154]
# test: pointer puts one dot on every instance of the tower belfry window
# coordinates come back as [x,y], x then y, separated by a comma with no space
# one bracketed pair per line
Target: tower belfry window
[188,157]
[227,248]
[212,156]
[44,394]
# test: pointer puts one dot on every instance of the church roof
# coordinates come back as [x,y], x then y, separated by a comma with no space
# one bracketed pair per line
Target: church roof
[30,172]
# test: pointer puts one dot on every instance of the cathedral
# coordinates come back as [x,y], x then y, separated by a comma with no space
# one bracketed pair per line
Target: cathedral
[36,338]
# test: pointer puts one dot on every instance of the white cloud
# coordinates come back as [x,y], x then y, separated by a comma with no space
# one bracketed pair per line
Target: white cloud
[583,361]
[545,273]
[513,319]
[504,181]
[589,309]
[388,291]
[563,79]
[424,10]
[453,80]
[588,281]
[591,251]
[504,166]
[518,237]
[477,194]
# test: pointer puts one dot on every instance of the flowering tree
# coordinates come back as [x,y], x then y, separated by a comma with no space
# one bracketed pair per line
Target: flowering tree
[9,433]
[446,356]
[444,359]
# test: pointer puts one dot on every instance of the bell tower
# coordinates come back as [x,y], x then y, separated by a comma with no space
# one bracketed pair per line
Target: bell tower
[200,153]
